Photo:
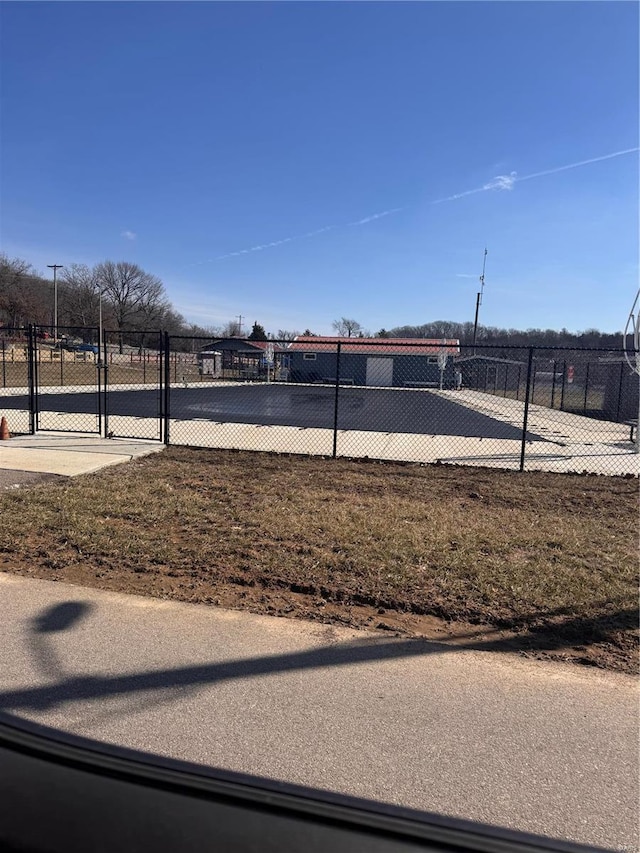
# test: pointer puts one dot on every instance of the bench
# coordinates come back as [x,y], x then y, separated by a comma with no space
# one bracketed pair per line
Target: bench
[633,425]
[421,384]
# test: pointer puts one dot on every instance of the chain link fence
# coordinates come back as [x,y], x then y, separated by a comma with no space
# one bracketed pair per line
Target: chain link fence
[516,408]
[239,394]
[416,401]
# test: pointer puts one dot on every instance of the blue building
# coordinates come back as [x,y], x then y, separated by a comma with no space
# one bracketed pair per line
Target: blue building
[379,362]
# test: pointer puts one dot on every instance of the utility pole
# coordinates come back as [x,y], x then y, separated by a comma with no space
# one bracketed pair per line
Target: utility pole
[479,301]
[239,325]
[55,268]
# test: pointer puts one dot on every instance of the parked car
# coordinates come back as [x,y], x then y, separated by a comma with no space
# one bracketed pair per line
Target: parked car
[64,343]
[87,348]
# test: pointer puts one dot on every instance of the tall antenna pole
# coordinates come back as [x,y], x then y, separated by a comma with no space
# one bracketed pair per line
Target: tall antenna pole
[239,325]
[479,301]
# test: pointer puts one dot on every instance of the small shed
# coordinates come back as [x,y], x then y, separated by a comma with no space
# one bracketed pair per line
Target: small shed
[621,387]
[210,363]
[492,374]
[240,358]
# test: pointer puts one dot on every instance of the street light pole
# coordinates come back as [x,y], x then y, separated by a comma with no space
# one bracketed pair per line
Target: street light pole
[55,268]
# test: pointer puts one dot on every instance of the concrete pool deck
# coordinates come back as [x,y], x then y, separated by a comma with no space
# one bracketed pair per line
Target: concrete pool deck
[563,442]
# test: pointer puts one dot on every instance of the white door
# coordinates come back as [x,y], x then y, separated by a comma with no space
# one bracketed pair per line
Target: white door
[379,371]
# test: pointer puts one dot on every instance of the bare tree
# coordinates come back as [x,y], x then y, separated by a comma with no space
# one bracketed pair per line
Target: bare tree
[133,293]
[79,296]
[230,329]
[25,297]
[286,335]
[346,327]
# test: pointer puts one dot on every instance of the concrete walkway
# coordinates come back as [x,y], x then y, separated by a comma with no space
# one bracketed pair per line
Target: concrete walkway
[491,737]
[69,454]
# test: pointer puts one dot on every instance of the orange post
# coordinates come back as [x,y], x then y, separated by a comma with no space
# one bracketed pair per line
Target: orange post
[4,429]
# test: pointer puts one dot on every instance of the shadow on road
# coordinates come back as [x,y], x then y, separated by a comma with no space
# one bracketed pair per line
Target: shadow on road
[61,617]
[54,619]
[80,688]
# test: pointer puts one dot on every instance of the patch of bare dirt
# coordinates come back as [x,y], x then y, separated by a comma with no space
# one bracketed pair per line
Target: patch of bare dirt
[542,564]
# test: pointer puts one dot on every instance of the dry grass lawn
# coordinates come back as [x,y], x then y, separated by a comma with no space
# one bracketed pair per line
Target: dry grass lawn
[543,563]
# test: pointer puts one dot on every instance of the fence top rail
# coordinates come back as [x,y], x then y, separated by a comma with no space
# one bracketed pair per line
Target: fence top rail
[132,331]
[419,342]
[332,345]
[63,328]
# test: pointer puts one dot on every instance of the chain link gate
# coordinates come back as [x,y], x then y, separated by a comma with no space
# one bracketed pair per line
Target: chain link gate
[81,384]
[64,381]
[135,385]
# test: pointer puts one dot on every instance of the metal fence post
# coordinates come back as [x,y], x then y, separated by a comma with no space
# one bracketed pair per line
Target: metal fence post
[553,386]
[99,382]
[620,391]
[519,375]
[564,381]
[533,383]
[506,379]
[167,384]
[105,379]
[31,371]
[335,403]
[586,389]
[525,419]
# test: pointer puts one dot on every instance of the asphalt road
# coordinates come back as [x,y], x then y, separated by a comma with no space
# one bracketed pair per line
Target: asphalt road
[381,410]
[541,747]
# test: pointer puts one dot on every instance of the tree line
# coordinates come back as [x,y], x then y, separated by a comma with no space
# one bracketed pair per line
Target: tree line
[134,301]
[131,300]
[495,336]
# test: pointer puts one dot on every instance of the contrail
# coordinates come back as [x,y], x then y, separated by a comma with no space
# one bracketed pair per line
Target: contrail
[580,163]
[506,182]
[263,246]
[315,233]
[499,182]
[375,216]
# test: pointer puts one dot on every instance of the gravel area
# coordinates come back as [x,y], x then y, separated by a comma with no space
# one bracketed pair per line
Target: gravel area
[19,479]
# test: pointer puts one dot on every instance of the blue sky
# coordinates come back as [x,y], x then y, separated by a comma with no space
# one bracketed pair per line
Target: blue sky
[180,135]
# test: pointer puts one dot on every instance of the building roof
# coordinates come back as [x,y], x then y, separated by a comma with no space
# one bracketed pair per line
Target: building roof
[241,345]
[381,346]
